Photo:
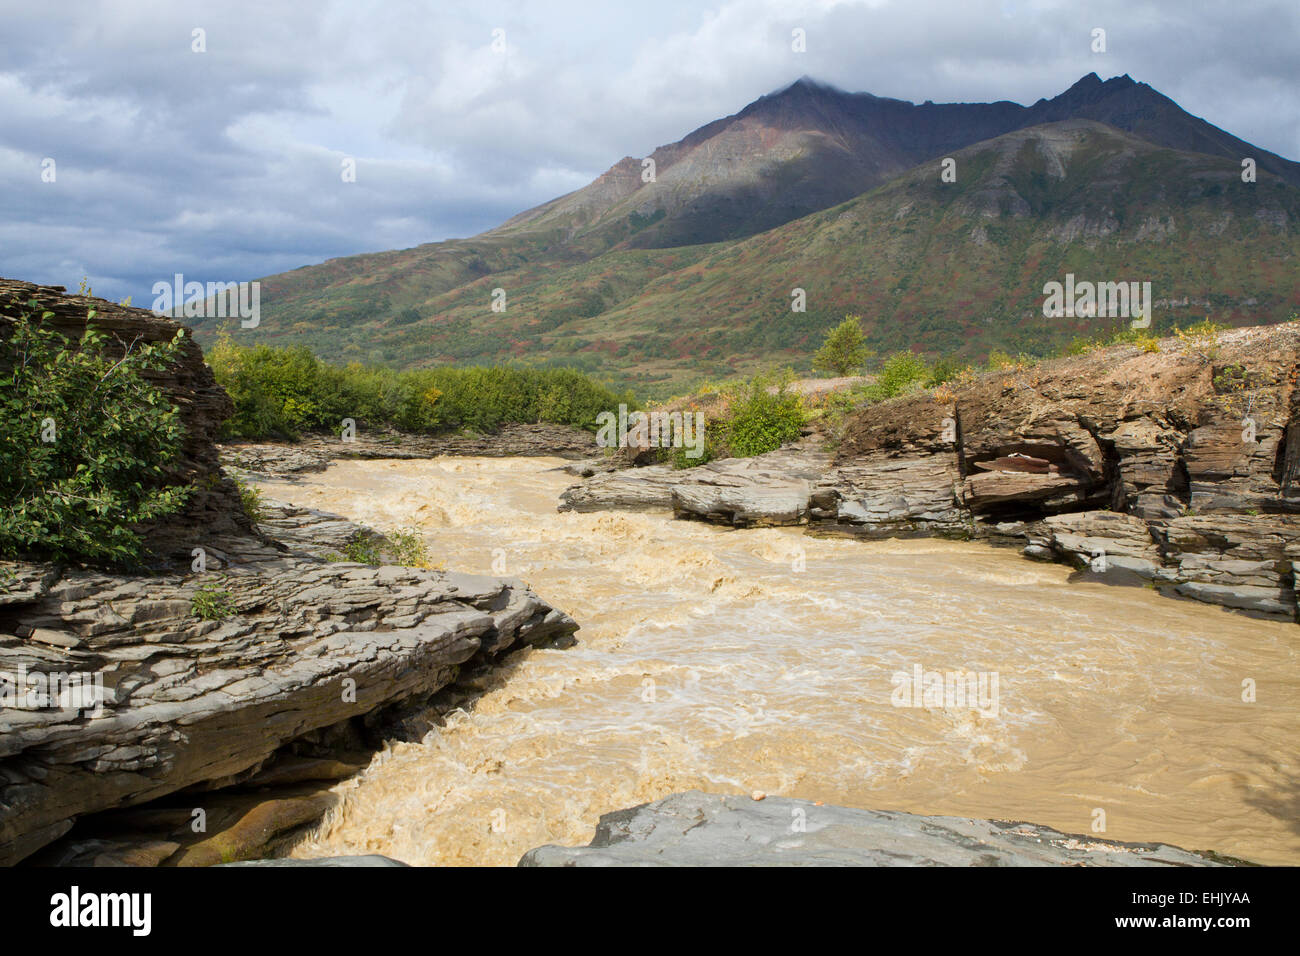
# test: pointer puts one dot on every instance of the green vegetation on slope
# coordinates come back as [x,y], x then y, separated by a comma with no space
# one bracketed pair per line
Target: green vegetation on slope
[281,392]
[948,268]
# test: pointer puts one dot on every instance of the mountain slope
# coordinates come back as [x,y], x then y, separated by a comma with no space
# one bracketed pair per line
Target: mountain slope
[810,146]
[607,276]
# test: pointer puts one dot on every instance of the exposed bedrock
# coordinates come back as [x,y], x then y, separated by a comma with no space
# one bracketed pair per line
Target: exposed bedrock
[699,829]
[117,689]
[163,700]
[1180,468]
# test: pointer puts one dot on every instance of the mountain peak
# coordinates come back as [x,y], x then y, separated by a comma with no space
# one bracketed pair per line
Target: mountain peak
[808,84]
[1088,82]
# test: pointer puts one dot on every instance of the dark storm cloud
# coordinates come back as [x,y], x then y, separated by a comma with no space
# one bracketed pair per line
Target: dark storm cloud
[225,165]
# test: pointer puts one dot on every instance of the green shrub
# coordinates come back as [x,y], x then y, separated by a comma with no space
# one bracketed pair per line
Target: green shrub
[761,415]
[85,444]
[362,547]
[945,369]
[902,372]
[405,546]
[408,548]
[282,392]
[210,603]
[252,500]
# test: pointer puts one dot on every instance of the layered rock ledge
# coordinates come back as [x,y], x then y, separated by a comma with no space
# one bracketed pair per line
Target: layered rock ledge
[700,829]
[156,699]
[1178,468]
[235,646]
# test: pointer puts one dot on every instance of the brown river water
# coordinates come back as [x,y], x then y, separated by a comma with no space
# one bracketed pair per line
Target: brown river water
[740,660]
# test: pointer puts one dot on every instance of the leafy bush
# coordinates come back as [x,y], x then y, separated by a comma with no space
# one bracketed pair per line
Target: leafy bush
[408,548]
[362,547]
[1000,361]
[946,369]
[902,372]
[761,415]
[405,545]
[252,500]
[844,350]
[86,442]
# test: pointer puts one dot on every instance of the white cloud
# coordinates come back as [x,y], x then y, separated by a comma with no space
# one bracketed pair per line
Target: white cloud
[226,164]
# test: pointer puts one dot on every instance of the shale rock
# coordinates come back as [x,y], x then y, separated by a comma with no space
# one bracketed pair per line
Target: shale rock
[1179,467]
[699,829]
[118,688]
[772,489]
[161,699]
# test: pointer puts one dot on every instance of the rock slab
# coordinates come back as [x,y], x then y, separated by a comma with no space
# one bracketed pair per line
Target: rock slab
[701,829]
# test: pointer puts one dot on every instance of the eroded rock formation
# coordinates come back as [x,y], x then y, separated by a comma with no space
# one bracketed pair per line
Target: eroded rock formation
[121,688]
[1179,467]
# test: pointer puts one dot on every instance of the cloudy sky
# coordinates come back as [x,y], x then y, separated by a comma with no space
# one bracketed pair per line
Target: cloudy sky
[227,164]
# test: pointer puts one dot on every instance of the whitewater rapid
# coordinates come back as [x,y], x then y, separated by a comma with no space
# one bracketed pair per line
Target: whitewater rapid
[741,660]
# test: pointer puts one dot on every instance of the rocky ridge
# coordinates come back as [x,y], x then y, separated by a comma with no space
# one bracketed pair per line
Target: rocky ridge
[1179,468]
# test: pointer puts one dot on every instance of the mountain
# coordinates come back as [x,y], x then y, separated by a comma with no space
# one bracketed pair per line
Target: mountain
[624,276]
[811,146]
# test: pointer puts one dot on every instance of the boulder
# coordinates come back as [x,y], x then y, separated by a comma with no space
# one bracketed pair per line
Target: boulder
[700,829]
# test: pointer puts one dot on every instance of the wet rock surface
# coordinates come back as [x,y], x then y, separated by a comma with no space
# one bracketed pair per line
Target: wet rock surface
[772,489]
[699,829]
[1178,468]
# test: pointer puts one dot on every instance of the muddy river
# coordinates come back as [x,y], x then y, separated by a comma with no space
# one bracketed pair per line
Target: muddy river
[742,660]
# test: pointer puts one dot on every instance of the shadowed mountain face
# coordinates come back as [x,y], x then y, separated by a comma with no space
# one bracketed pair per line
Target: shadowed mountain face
[810,146]
[653,283]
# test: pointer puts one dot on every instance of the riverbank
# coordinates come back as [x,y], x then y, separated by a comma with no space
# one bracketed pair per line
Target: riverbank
[230,655]
[1178,469]
[314,452]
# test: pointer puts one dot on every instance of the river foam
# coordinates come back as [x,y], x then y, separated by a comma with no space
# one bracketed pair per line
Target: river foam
[731,661]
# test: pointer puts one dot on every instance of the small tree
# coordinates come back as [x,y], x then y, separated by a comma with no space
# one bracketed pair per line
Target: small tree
[844,350]
[85,442]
